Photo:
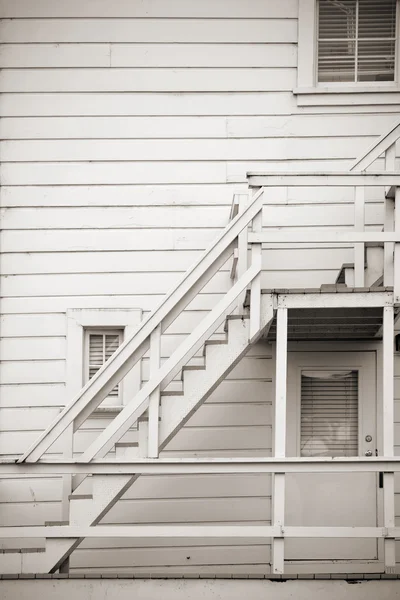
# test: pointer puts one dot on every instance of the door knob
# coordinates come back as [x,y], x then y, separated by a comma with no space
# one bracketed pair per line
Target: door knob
[368,453]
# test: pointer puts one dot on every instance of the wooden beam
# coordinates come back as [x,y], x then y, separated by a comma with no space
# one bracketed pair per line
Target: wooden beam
[335,300]
[133,349]
[396,267]
[323,237]
[154,401]
[255,295]
[204,466]
[339,179]
[383,143]
[388,434]
[278,496]
[359,225]
[195,531]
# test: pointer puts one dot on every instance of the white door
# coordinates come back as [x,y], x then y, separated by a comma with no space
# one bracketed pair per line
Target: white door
[331,412]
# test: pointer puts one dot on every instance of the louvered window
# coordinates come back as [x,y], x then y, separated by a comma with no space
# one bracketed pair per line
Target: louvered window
[356,40]
[329,413]
[100,346]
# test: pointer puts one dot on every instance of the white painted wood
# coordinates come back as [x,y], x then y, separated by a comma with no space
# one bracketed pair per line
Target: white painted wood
[131,412]
[388,433]
[194,275]
[118,30]
[232,9]
[315,237]
[334,300]
[143,80]
[117,104]
[154,401]
[255,289]
[306,44]
[397,249]
[383,144]
[276,148]
[359,225]
[333,179]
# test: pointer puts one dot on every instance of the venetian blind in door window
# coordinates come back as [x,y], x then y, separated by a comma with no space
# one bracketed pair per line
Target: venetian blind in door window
[101,346]
[356,40]
[329,413]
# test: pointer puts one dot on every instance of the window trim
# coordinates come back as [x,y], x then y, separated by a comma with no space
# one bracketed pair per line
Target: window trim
[311,93]
[87,332]
[78,320]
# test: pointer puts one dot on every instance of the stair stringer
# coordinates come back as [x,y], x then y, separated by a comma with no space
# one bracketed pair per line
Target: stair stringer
[107,490]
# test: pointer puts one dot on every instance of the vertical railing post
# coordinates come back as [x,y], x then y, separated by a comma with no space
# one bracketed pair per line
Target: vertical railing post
[388,434]
[255,290]
[396,254]
[278,497]
[242,251]
[388,261]
[154,404]
[359,225]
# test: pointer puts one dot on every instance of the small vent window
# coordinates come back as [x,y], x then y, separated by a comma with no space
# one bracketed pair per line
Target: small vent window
[329,413]
[356,40]
[101,345]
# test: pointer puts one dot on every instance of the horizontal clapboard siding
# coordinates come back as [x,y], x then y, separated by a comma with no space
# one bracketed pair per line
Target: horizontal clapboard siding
[127,127]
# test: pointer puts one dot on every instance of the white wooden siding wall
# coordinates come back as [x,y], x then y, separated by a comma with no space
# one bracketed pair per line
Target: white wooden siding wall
[127,126]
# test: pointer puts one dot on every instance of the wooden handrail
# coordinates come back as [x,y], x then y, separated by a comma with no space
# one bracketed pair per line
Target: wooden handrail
[127,355]
[381,145]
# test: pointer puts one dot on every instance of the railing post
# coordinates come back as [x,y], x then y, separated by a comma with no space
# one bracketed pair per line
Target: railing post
[388,434]
[278,498]
[388,264]
[154,404]
[242,251]
[359,225]
[255,289]
[396,256]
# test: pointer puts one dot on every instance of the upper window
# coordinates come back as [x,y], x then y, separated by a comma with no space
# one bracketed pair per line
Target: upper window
[356,40]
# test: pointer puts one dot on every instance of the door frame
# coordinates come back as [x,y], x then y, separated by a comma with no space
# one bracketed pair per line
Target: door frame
[373,566]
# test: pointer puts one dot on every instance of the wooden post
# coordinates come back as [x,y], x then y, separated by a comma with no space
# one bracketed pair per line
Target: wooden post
[388,268]
[396,260]
[255,294]
[388,433]
[359,225]
[154,404]
[278,516]
[243,249]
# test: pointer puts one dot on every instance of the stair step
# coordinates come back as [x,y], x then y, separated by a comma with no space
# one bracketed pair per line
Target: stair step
[234,318]
[188,368]
[56,523]
[171,393]
[213,343]
[124,450]
[145,419]
[80,497]
[127,445]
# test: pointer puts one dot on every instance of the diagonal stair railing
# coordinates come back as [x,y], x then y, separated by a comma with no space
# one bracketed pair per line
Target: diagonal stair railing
[133,349]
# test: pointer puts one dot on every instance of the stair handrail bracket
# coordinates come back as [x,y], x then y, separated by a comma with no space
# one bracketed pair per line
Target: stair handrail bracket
[132,350]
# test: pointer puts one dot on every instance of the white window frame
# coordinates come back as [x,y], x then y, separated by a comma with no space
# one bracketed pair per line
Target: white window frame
[80,320]
[88,331]
[311,93]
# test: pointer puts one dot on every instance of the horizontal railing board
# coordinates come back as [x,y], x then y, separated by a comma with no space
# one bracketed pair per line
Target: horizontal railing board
[131,104]
[149,8]
[97,30]
[147,80]
[147,55]
[183,150]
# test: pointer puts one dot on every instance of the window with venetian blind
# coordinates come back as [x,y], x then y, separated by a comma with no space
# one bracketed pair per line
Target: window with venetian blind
[329,413]
[100,346]
[356,40]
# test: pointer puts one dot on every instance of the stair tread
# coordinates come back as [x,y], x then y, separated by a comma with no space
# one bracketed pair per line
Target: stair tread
[56,523]
[127,444]
[22,550]
[193,368]
[172,393]
[80,497]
